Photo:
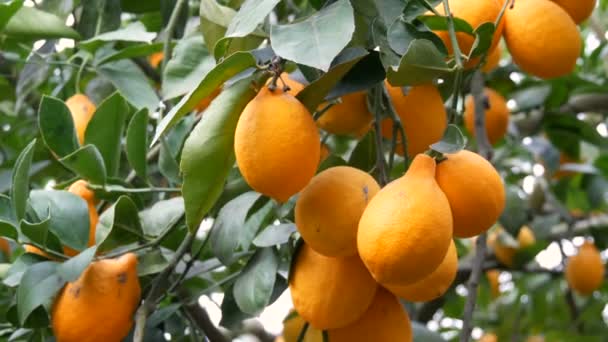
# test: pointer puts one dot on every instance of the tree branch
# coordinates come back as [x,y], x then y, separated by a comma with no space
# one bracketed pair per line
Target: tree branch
[596,102]
[201,318]
[469,306]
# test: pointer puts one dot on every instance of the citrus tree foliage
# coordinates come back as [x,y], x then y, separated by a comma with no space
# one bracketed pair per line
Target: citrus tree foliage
[159,156]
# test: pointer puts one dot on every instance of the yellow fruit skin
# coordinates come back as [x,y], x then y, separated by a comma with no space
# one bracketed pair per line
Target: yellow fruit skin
[536,338]
[155,59]
[542,38]
[329,208]
[80,188]
[292,326]
[475,191]
[350,117]
[475,13]
[492,60]
[579,10]
[505,254]
[384,321]
[422,114]
[434,285]
[493,276]
[82,110]
[5,247]
[406,229]
[585,271]
[277,144]
[36,250]
[330,292]
[99,306]
[489,337]
[497,116]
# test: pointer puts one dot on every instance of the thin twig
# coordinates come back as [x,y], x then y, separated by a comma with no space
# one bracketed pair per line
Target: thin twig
[481,135]
[376,96]
[469,306]
[452,34]
[201,318]
[169,32]
[398,124]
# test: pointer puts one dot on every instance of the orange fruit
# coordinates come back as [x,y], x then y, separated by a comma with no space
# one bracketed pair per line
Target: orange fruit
[565,159]
[155,59]
[36,250]
[80,188]
[384,321]
[475,13]
[292,327]
[579,10]
[82,110]
[349,117]
[497,115]
[505,254]
[422,114]
[107,292]
[492,60]
[329,208]
[585,270]
[328,292]
[542,38]
[406,229]
[493,276]
[276,144]
[489,337]
[434,285]
[5,247]
[474,189]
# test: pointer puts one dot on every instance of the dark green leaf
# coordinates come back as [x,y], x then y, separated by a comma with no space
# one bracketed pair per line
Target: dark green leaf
[363,156]
[98,16]
[249,16]
[135,32]
[515,214]
[437,23]
[253,287]
[71,269]
[151,262]
[452,141]
[167,163]
[39,284]
[275,235]
[7,10]
[38,233]
[208,153]
[20,183]
[229,45]
[132,51]
[401,34]
[162,215]
[484,35]
[328,32]
[88,163]
[422,64]
[131,82]
[137,142]
[56,126]
[32,23]
[118,226]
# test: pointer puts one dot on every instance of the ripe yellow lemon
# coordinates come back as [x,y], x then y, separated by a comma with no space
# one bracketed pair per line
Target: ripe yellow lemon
[277,144]
[474,189]
[579,10]
[385,321]
[505,254]
[434,285]
[585,271]
[330,292]
[349,117]
[82,110]
[542,38]
[497,115]
[329,208]
[292,327]
[422,114]
[406,229]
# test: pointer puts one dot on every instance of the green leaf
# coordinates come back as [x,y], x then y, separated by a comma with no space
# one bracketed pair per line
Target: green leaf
[69,216]
[331,161]
[7,10]
[484,34]
[314,93]
[134,32]
[229,45]
[253,287]
[401,34]
[215,19]
[88,163]
[452,141]
[187,67]
[32,23]
[20,182]
[440,23]
[8,230]
[213,80]
[364,155]
[131,51]
[208,153]
[38,232]
[105,130]
[56,126]
[39,284]
[327,32]
[19,266]
[70,270]
[151,262]
[422,334]
[275,235]
[99,16]
[137,142]
[119,225]
[131,82]
[162,215]
[167,163]
[422,64]
[515,214]
[249,16]
[229,225]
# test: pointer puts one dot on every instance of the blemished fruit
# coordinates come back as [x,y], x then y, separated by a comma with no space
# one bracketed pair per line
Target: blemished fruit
[505,254]
[329,208]
[423,116]
[384,321]
[493,276]
[492,60]
[292,327]
[542,38]
[406,229]
[579,10]
[489,337]
[82,110]
[497,115]
[277,144]
[80,188]
[328,292]
[474,189]
[295,87]
[475,13]
[108,291]
[585,270]
[434,285]
[349,117]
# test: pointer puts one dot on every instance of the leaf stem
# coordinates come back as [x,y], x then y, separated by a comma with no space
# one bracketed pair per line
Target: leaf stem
[376,99]
[169,32]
